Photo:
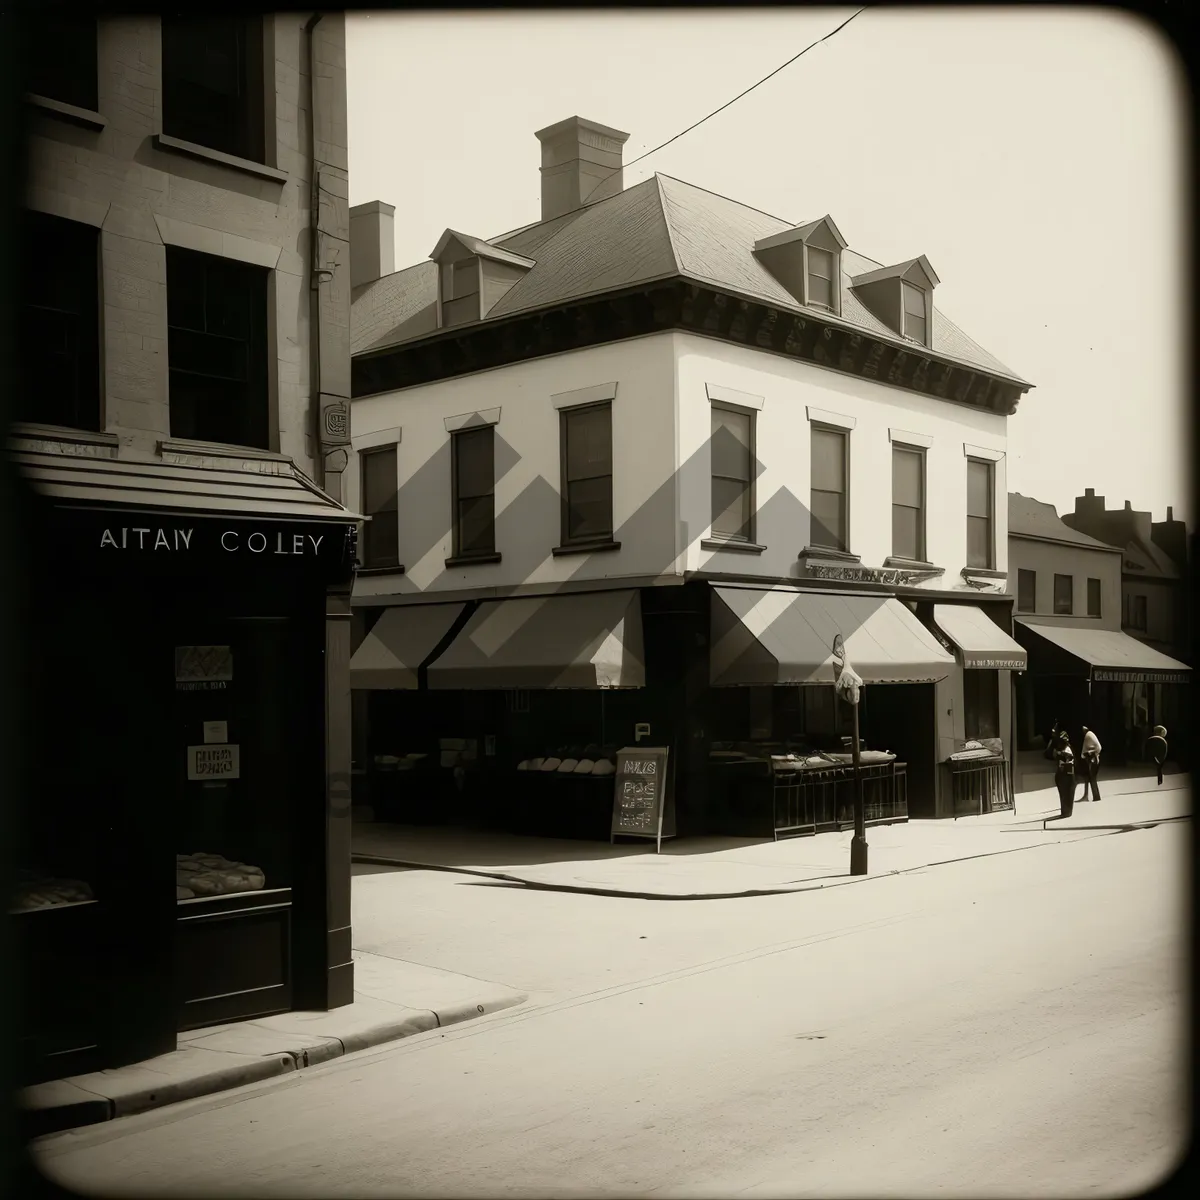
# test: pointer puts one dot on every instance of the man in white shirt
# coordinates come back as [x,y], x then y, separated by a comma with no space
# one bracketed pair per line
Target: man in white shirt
[1089,760]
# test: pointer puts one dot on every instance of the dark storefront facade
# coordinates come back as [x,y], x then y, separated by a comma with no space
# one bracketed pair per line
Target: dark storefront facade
[502,712]
[183,850]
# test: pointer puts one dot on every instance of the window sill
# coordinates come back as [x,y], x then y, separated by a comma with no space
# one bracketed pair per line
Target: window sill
[599,546]
[730,544]
[220,450]
[87,117]
[910,564]
[63,433]
[173,145]
[468,560]
[829,553]
[396,570]
[983,573]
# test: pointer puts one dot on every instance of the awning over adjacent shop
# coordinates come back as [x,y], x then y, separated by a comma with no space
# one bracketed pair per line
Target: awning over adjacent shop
[400,641]
[771,636]
[572,640]
[1110,656]
[981,643]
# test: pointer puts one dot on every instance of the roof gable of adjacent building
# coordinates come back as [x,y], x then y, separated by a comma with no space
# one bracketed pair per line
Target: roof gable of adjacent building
[1030,518]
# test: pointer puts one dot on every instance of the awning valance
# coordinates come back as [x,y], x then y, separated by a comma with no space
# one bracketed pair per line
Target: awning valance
[772,636]
[981,643]
[1108,655]
[400,641]
[572,640]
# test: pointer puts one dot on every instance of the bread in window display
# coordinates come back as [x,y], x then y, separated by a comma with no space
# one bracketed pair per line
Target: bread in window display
[214,875]
[36,890]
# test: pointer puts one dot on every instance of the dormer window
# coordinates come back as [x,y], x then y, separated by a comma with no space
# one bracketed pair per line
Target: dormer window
[807,261]
[820,276]
[460,291]
[916,321]
[473,277]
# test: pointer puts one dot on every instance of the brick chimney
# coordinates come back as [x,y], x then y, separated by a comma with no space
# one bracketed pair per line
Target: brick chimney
[1170,536]
[1089,516]
[581,163]
[372,242]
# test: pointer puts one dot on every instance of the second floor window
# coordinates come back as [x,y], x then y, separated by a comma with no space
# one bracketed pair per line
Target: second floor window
[1064,595]
[587,486]
[212,80]
[908,503]
[59,327]
[830,471]
[980,539]
[60,61]
[380,502]
[474,484]
[1027,591]
[217,349]
[821,277]
[1093,597]
[732,450]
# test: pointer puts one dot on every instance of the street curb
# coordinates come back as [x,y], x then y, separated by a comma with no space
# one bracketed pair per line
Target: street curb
[42,1121]
[580,889]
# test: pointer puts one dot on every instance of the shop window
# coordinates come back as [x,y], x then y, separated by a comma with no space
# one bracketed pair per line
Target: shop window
[587,486]
[732,453]
[60,55]
[381,502]
[459,291]
[821,275]
[212,82]
[60,323]
[981,703]
[474,486]
[908,503]
[916,320]
[1064,595]
[830,472]
[1026,591]
[217,349]
[1137,613]
[1093,597]
[980,490]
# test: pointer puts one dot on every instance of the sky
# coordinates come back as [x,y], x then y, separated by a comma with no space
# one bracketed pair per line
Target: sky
[1035,156]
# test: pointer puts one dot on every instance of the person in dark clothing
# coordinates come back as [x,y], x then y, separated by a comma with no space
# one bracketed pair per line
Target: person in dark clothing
[1156,743]
[1064,774]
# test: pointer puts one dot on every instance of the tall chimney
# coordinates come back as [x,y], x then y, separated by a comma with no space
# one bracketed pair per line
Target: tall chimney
[372,242]
[581,163]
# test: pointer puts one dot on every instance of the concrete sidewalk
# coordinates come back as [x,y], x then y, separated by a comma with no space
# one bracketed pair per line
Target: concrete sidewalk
[392,999]
[718,868]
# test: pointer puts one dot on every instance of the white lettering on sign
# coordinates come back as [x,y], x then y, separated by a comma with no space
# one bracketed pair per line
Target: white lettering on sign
[146,538]
[164,539]
[213,762]
[636,767]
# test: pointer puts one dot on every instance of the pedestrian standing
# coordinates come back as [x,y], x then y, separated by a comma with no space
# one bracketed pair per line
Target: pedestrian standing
[1156,743]
[1090,762]
[1064,774]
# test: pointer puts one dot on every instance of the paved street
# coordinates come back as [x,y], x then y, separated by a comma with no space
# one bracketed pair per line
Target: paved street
[1008,1026]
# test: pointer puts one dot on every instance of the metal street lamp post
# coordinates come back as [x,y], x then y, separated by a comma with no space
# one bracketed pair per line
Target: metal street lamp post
[849,686]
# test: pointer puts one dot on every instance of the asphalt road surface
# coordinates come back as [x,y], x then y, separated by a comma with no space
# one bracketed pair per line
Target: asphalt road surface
[1009,1026]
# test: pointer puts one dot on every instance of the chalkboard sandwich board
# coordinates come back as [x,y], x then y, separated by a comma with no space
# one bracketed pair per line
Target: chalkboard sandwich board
[641,794]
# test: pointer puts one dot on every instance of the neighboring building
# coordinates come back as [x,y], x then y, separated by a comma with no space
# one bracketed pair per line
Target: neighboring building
[1068,616]
[652,453]
[183,423]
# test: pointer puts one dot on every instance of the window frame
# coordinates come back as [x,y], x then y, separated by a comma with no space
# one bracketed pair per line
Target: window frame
[1059,610]
[990,468]
[904,313]
[448,294]
[247,137]
[1099,592]
[834,278]
[54,29]
[844,434]
[1139,613]
[366,558]
[565,416]
[1032,576]
[922,508]
[751,489]
[258,355]
[83,319]
[457,440]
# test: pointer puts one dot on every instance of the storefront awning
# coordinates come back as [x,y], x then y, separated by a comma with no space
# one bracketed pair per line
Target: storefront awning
[1110,656]
[400,641]
[574,640]
[981,643]
[770,636]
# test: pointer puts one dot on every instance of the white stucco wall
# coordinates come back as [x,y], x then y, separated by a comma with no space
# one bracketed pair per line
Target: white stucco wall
[788,389]
[528,521]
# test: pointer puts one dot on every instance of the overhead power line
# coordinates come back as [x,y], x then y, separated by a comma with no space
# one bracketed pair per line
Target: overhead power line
[724,106]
